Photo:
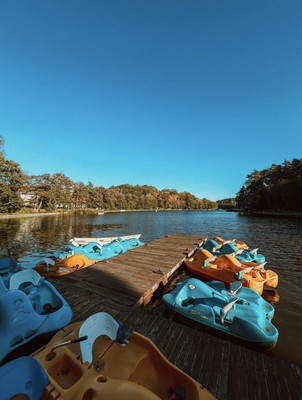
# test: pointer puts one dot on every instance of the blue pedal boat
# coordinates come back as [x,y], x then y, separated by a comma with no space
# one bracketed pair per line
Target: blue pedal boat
[229,248]
[8,267]
[129,244]
[94,250]
[29,307]
[23,376]
[240,312]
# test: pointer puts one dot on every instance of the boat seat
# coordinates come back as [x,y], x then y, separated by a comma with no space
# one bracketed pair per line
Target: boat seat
[96,325]
[24,375]
[29,275]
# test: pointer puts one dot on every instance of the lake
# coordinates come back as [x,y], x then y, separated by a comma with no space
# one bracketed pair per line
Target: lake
[278,238]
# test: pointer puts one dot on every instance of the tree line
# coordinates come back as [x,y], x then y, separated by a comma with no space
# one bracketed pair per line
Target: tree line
[50,192]
[276,188]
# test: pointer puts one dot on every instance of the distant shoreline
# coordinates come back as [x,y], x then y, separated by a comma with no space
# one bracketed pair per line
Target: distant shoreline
[268,213]
[42,214]
[29,215]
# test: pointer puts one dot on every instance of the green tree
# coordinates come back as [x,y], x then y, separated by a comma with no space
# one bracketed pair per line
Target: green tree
[11,180]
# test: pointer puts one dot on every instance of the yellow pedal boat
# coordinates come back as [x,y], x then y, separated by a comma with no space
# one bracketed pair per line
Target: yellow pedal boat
[228,269]
[92,360]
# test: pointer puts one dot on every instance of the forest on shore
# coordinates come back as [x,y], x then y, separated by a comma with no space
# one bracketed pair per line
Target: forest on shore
[278,188]
[19,191]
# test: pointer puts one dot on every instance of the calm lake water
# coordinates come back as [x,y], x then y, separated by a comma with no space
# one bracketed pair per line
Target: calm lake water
[279,239]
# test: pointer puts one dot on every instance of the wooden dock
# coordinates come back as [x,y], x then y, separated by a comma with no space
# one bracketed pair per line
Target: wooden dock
[132,278]
[227,368]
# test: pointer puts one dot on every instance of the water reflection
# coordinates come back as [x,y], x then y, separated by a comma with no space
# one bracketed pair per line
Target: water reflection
[36,237]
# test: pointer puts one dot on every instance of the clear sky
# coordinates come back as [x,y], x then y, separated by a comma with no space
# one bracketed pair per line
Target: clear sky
[186,94]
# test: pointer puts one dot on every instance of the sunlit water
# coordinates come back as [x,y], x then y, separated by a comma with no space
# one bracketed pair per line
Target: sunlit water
[279,239]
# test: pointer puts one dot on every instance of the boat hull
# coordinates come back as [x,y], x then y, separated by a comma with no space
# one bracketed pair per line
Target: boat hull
[246,319]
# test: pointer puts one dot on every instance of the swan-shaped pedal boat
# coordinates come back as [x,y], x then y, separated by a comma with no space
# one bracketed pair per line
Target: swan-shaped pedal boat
[241,312]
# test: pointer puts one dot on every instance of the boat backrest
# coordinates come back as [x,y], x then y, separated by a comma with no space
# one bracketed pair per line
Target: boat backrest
[96,325]
[24,375]
[235,287]
[28,275]
[226,309]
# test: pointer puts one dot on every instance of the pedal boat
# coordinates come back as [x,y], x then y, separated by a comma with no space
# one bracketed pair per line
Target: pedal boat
[97,251]
[228,269]
[21,377]
[30,307]
[53,267]
[93,250]
[8,267]
[240,312]
[93,360]
[76,256]
[104,240]
[246,255]
[239,244]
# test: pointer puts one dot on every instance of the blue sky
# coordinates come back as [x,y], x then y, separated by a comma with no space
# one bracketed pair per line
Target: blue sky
[186,94]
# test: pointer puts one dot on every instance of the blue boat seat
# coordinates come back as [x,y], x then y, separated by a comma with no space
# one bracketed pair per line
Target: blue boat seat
[97,325]
[24,375]
[21,277]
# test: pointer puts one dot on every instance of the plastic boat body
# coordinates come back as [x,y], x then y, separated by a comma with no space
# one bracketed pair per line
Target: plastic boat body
[103,365]
[76,257]
[230,248]
[243,315]
[29,307]
[8,267]
[23,375]
[96,251]
[53,267]
[239,244]
[104,240]
[228,269]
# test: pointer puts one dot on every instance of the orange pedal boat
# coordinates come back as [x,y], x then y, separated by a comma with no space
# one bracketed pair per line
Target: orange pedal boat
[92,360]
[54,267]
[228,269]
